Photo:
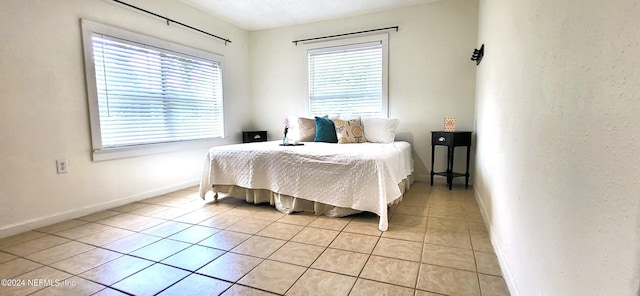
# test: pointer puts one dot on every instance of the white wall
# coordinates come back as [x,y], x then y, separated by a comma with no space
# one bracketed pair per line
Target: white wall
[44,111]
[430,74]
[558,171]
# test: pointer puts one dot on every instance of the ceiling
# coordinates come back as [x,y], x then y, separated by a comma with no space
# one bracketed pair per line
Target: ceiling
[255,15]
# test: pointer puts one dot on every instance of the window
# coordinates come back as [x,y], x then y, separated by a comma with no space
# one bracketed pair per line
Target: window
[143,94]
[349,80]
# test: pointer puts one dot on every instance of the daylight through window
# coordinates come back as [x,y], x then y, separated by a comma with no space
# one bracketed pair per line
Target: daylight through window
[150,95]
[347,80]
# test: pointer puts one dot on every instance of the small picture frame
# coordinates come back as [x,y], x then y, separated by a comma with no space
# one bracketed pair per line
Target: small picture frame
[449,124]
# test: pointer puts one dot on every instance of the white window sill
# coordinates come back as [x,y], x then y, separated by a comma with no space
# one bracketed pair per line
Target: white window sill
[140,150]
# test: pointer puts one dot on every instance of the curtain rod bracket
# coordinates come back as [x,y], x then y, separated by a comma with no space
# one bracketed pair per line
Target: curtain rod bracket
[174,21]
[345,34]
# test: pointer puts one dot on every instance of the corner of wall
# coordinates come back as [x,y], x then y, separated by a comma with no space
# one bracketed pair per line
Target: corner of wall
[507,274]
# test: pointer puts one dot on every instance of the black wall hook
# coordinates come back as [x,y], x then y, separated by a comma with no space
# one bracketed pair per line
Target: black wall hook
[478,54]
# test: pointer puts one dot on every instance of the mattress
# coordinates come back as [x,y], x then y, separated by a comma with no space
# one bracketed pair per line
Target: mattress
[363,177]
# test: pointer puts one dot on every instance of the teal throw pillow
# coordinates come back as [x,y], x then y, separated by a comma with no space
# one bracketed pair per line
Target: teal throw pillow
[325,131]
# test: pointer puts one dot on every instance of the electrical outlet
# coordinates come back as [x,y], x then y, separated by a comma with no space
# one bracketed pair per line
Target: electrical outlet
[62,166]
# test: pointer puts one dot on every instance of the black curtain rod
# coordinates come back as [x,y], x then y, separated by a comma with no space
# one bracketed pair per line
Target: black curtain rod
[174,21]
[345,34]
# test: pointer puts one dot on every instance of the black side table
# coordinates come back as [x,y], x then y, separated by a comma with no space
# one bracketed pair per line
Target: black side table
[451,140]
[254,136]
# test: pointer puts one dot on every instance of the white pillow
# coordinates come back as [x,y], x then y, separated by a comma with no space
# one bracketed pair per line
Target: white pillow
[380,130]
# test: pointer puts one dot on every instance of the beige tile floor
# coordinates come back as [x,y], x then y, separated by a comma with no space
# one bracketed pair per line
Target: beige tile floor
[177,244]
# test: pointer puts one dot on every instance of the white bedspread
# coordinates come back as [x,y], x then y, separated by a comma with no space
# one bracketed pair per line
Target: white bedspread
[359,176]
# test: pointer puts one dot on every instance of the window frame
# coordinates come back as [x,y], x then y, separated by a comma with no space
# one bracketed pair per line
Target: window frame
[340,42]
[89,28]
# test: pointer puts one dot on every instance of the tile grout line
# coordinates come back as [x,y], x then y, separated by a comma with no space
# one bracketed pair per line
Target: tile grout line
[251,235]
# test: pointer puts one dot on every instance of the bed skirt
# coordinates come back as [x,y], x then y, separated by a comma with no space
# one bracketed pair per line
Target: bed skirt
[287,204]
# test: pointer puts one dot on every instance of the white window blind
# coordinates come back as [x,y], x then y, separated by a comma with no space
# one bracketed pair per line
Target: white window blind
[149,95]
[347,80]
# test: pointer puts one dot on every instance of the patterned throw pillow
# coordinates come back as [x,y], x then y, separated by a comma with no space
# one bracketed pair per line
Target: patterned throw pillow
[349,131]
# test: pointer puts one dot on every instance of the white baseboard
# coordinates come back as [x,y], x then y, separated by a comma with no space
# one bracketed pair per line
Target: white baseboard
[504,265]
[422,178]
[75,213]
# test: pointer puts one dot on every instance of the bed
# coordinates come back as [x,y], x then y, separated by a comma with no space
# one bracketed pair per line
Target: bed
[326,178]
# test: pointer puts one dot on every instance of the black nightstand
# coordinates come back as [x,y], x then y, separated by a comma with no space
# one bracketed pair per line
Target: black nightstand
[254,136]
[451,140]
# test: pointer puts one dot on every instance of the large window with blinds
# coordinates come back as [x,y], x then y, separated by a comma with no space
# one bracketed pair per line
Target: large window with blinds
[145,92]
[348,80]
